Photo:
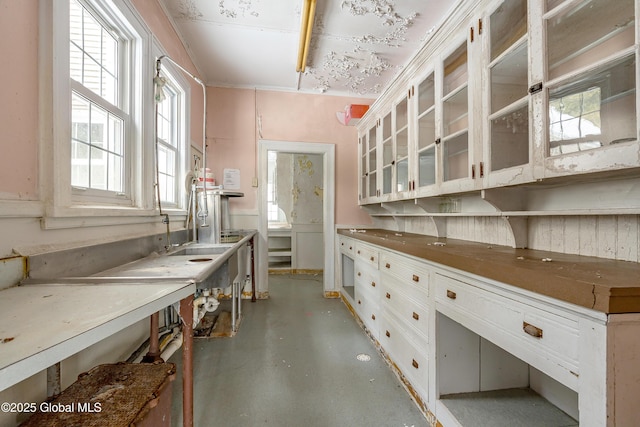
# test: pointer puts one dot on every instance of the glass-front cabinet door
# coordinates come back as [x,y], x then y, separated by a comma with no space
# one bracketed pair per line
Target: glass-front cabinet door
[507,148]
[455,139]
[425,107]
[401,134]
[591,60]
[368,165]
[387,156]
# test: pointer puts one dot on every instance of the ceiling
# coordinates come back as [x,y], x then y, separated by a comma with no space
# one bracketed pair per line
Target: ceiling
[357,46]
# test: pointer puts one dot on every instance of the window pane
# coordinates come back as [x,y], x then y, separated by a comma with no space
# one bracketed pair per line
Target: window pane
[455,69]
[427,129]
[79,119]
[98,169]
[114,172]
[79,164]
[98,127]
[115,135]
[508,24]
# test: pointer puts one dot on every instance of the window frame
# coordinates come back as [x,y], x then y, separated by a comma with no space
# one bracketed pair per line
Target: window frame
[182,89]
[65,207]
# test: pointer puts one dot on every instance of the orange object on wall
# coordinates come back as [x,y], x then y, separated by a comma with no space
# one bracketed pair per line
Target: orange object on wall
[352,114]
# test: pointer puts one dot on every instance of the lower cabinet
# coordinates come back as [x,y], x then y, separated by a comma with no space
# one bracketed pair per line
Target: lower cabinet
[480,352]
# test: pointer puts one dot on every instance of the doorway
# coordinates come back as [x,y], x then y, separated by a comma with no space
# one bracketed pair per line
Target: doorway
[311,234]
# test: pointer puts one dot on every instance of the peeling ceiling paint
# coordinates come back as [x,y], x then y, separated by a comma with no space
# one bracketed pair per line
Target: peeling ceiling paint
[357,46]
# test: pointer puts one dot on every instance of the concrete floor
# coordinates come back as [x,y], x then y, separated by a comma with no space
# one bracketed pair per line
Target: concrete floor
[293,363]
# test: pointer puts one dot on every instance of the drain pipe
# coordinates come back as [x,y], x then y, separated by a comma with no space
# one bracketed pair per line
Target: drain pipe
[202,305]
[205,212]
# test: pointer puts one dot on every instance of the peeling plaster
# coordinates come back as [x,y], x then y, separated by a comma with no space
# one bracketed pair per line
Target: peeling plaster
[318,192]
[244,6]
[187,10]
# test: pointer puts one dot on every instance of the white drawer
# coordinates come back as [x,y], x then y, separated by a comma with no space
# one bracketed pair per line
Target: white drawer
[411,273]
[407,310]
[347,245]
[368,311]
[541,338]
[365,274]
[367,253]
[412,360]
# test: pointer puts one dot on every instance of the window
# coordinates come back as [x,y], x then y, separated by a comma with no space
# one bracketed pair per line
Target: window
[168,148]
[99,160]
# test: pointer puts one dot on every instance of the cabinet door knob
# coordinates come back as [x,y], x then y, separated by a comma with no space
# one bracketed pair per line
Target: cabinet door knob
[388,295]
[350,248]
[387,265]
[358,252]
[372,259]
[416,278]
[359,274]
[359,302]
[373,284]
[416,316]
[388,334]
[532,330]
[414,363]
[373,317]
[451,294]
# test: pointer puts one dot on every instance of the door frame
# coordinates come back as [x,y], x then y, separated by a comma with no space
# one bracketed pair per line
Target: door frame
[328,207]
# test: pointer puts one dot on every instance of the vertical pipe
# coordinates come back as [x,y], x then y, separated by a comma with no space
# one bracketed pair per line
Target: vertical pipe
[253,268]
[234,312]
[153,355]
[186,313]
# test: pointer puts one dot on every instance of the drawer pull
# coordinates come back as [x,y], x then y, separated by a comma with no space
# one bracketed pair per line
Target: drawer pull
[388,295]
[359,274]
[359,302]
[387,265]
[358,252]
[416,278]
[532,330]
[414,363]
[416,316]
[372,259]
[388,334]
[373,317]
[373,284]
[451,294]
[350,248]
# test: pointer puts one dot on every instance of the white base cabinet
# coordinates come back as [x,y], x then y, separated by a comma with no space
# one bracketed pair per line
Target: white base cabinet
[457,338]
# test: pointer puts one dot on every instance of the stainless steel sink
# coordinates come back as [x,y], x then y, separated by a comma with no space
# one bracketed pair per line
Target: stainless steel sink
[201,250]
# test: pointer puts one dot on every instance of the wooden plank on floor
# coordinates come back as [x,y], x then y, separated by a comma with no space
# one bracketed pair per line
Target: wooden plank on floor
[222,328]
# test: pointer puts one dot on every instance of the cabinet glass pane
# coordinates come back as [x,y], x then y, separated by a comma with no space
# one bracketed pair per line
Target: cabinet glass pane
[427,129]
[387,152]
[426,94]
[363,186]
[372,159]
[386,180]
[455,157]
[401,114]
[509,79]
[551,4]
[590,31]
[386,126]
[508,25]
[402,144]
[510,139]
[456,112]
[455,70]
[594,110]
[427,167]
[403,175]
[372,184]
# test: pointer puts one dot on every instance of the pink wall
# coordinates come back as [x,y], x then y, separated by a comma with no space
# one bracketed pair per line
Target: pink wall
[19,99]
[239,118]
[162,29]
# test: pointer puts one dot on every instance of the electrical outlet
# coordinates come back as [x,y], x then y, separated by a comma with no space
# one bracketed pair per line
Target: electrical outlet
[254,182]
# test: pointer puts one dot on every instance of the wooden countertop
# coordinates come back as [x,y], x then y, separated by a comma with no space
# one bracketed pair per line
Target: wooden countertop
[604,285]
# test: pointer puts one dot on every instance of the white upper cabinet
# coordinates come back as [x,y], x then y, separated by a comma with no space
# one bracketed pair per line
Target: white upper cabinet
[507,153]
[591,76]
[508,93]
